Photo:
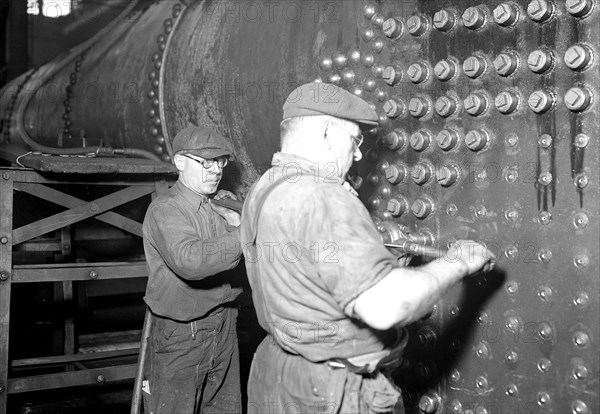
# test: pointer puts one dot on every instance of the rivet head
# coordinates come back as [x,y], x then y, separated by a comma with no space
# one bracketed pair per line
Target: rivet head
[506,63]
[511,357]
[513,324]
[4,276]
[474,66]
[545,178]
[381,95]
[482,383]
[340,60]
[545,331]
[473,18]
[456,407]
[506,14]
[477,139]
[446,106]
[6,175]
[445,70]
[444,20]
[420,140]
[482,350]
[354,56]
[3,239]
[581,261]
[368,60]
[581,339]
[580,220]
[348,76]
[512,390]
[506,102]
[93,274]
[373,202]
[543,398]
[100,379]
[581,140]
[539,61]
[581,180]
[370,84]
[578,57]
[512,287]
[580,372]
[377,20]
[369,11]
[579,407]
[418,107]
[545,256]
[393,28]
[451,210]
[579,8]
[447,139]
[476,104]
[581,300]
[512,214]
[393,109]
[418,72]
[377,45]
[455,375]
[540,10]
[368,34]
[540,101]
[417,25]
[544,365]
[578,99]
[545,141]
[545,217]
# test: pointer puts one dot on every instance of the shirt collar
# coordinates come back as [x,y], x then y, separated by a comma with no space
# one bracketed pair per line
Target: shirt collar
[293,164]
[195,199]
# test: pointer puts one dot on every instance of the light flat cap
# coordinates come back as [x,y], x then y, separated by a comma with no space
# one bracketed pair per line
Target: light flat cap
[202,142]
[317,98]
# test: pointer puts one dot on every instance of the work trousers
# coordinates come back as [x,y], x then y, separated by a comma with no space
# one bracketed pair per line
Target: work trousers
[193,367]
[283,383]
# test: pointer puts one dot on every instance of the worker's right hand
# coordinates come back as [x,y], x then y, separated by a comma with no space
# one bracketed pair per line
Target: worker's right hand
[473,256]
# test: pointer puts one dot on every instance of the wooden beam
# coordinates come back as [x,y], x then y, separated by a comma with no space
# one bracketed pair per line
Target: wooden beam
[78,271]
[68,359]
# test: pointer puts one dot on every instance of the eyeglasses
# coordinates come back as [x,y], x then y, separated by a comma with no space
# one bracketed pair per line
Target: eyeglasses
[356,139]
[207,164]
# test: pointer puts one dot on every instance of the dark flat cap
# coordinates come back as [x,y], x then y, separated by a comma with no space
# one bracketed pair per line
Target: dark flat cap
[202,142]
[317,98]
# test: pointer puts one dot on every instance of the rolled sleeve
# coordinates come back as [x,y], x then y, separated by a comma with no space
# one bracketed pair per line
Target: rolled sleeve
[357,258]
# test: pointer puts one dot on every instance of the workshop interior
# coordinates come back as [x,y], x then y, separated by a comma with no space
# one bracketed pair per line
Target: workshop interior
[488,130]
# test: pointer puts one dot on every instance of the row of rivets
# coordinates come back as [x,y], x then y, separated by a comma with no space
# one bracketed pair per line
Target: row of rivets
[69,89]
[447,139]
[543,399]
[580,260]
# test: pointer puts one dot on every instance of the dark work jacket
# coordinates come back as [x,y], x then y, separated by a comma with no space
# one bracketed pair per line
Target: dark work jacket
[189,248]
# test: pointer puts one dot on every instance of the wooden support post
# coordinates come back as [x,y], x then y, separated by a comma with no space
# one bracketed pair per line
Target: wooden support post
[6,222]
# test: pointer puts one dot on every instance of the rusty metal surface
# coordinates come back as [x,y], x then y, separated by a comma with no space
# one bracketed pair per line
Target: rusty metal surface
[489,131]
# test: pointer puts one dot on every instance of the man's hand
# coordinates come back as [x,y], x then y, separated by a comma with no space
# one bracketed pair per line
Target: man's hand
[233,218]
[473,256]
[225,194]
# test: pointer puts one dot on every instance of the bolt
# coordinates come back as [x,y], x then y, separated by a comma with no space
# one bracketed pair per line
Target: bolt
[391,75]
[539,61]
[417,25]
[394,174]
[397,207]
[578,57]
[395,140]
[578,99]
[540,10]
[474,66]
[476,139]
[581,180]
[93,274]
[445,106]
[4,276]
[506,102]
[545,178]
[476,104]
[428,404]
[393,28]
[540,101]
[6,175]
[418,107]
[445,70]
[393,109]
[4,240]
[421,208]
[418,72]
[545,141]
[444,20]
[473,18]
[447,175]
[420,140]
[506,63]
[506,14]
[447,139]
[421,173]
[579,8]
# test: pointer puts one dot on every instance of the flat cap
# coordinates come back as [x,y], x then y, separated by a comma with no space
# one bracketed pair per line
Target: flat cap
[317,98]
[202,142]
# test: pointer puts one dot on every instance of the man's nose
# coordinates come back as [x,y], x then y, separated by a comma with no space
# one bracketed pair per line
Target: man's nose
[357,154]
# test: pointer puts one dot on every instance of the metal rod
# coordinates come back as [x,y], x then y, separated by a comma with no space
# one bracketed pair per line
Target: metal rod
[417,249]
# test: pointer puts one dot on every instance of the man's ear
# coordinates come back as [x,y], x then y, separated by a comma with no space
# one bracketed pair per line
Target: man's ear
[179,161]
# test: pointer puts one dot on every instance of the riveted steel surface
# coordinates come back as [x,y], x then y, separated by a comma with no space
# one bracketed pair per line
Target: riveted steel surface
[489,124]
